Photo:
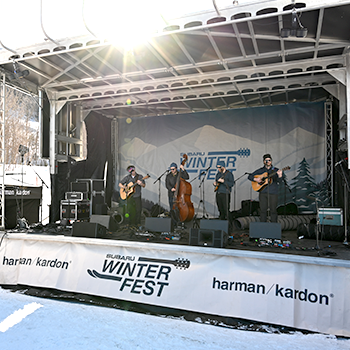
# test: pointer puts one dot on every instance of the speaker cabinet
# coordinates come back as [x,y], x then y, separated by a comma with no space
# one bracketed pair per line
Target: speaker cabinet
[214,225]
[88,229]
[208,238]
[105,220]
[265,230]
[158,224]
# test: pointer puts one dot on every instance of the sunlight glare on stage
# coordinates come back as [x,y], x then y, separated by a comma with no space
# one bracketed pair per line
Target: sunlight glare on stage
[121,23]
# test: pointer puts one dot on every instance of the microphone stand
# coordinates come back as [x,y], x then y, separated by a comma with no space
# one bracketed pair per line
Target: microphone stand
[158,179]
[317,225]
[41,202]
[346,192]
[234,190]
[202,191]
[285,195]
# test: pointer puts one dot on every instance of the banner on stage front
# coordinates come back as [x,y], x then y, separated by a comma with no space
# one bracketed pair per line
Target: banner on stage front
[247,285]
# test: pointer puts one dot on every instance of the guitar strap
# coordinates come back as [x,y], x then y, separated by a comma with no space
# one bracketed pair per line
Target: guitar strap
[222,177]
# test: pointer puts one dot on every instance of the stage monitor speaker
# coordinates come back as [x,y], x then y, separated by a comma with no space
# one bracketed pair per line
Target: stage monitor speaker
[208,238]
[88,229]
[159,224]
[214,225]
[105,220]
[265,230]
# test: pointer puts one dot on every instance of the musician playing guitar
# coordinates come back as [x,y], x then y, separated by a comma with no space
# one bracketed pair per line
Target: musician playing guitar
[133,197]
[267,178]
[223,183]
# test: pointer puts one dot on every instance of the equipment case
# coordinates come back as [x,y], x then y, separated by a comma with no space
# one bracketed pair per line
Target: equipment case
[331,216]
[75,210]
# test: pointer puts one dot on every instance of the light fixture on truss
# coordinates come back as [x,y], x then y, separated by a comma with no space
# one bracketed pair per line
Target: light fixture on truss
[297,29]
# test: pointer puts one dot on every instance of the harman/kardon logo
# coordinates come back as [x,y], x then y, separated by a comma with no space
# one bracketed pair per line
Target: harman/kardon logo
[148,276]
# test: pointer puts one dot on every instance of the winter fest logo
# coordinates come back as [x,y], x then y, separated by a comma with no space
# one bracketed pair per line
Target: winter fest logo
[148,276]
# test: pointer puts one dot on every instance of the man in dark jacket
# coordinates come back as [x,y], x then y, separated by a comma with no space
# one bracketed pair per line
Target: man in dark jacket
[133,198]
[267,178]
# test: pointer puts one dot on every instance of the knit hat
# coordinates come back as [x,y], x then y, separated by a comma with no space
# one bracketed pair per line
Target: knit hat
[173,165]
[220,163]
[267,156]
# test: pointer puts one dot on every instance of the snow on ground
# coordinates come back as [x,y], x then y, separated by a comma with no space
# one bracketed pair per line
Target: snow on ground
[28,322]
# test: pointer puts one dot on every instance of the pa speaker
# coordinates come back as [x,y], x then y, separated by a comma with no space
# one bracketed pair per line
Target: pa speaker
[265,230]
[214,225]
[159,224]
[208,238]
[105,220]
[88,229]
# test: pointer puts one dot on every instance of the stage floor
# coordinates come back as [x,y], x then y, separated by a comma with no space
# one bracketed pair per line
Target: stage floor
[292,241]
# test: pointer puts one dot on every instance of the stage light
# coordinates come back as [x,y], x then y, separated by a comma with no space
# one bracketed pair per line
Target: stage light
[301,33]
[285,32]
[297,29]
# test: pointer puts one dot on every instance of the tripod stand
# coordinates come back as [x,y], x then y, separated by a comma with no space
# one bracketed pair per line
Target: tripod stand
[41,201]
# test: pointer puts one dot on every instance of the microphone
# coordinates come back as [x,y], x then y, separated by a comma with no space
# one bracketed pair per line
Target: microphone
[204,171]
[313,198]
[341,161]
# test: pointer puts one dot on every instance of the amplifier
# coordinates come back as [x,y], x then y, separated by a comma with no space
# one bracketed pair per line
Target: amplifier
[75,210]
[76,196]
[330,216]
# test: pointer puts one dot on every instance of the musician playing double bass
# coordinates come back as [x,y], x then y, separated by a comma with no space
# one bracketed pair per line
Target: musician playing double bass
[133,200]
[268,194]
[223,183]
[171,180]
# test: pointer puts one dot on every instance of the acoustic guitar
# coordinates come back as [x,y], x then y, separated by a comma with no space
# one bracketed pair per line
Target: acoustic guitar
[265,180]
[125,193]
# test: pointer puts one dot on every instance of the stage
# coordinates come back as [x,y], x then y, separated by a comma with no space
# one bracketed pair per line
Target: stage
[295,286]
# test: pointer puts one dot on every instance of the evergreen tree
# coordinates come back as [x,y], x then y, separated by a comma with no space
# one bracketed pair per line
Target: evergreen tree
[302,186]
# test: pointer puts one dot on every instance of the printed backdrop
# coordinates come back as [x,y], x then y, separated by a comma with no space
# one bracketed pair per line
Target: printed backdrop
[293,134]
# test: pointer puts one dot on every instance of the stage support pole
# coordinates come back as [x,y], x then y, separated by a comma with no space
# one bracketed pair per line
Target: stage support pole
[53,169]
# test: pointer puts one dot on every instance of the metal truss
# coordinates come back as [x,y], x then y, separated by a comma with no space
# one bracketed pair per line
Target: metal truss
[2,149]
[329,150]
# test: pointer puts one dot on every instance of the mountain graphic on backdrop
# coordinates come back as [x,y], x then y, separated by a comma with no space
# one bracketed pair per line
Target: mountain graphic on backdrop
[288,150]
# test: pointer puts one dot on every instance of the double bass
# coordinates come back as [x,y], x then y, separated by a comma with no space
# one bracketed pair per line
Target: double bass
[183,207]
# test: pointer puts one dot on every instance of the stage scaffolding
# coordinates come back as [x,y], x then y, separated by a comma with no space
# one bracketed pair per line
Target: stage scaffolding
[329,151]
[2,149]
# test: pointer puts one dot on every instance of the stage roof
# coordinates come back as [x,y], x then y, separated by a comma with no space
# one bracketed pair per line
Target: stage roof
[227,54]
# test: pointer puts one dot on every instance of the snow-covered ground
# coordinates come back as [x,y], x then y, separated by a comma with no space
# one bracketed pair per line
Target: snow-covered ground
[28,322]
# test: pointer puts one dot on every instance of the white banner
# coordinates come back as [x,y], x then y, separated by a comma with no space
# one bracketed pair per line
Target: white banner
[300,292]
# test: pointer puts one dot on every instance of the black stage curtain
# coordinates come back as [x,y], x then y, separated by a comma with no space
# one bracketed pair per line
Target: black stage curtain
[98,130]
[14,195]
[13,209]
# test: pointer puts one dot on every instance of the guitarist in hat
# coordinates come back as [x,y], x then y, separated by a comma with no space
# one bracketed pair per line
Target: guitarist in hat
[133,197]
[268,192]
